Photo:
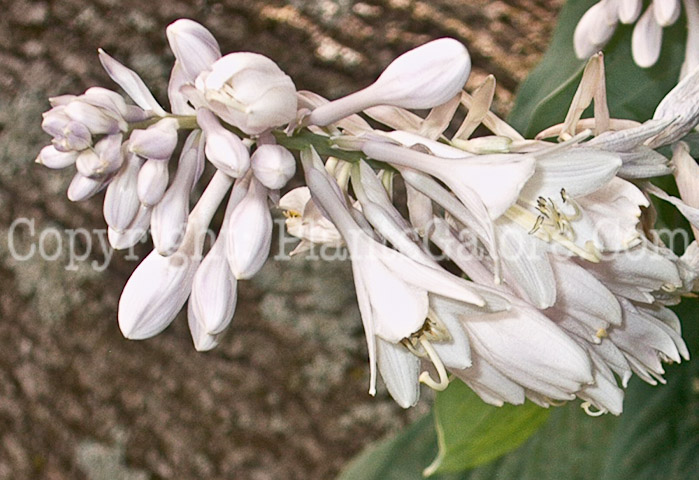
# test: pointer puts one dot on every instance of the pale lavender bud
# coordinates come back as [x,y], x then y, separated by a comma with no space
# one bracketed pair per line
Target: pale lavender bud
[195,48]
[105,99]
[131,83]
[424,77]
[104,159]
[81,187]
[121,202]
[157,141]
[60,100]
[68,134]
[131,235]
[160,285]
[169,218]
[213,300]
[55,121]
[249,91]
[97,120]
[76,137]
[155,293]
[249,233]
[273,165]
[223,148]
[52,158]
[152,182]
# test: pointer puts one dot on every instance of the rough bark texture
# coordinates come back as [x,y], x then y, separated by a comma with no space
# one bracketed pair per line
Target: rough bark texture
[284,396]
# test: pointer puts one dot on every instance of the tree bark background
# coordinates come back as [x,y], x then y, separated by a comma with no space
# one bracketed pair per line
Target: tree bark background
[285,394]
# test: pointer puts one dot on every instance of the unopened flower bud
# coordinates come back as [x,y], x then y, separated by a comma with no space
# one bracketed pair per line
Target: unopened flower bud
[594,30]
[121,202]
[223,148]
[169,219]
[157,141]
[249,233]
[104,159]
[52,158]
[193,45]
[213,300]
[152,182]
[424,77]
[131,235]
[249,91]
[273,165]
[97,120]
[81,187]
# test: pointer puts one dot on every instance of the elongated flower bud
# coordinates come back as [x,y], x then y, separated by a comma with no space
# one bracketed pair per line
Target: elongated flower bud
[250,233]
[152,182]
[81,188]
[273,166]
[157,141]
[121,202]
[160,285]
[52,158]
[193,45]
[169,217]
[214,297]
[424,77]
[223,148]
[106,158]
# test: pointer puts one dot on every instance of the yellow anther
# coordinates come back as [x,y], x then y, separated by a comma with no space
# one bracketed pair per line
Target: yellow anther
[601,333]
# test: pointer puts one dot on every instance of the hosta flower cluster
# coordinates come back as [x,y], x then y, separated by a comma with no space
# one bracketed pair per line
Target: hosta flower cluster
[549,284]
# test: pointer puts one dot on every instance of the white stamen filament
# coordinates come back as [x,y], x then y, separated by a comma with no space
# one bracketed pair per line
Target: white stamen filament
[425,377]
[587,406]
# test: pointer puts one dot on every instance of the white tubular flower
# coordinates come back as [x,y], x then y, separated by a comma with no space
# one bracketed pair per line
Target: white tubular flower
[156,142]
[530,350]
[681,106]
[223,148]
[496,180]
[305,221]
[273,166]
[158,288]
[687,177]
[249,91]
[392,289]
[249,232]
[169,219]
[424,77]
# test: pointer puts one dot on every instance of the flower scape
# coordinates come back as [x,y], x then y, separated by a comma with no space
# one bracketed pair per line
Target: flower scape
[557,286]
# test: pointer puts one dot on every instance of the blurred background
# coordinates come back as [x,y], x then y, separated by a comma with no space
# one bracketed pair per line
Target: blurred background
[285,394]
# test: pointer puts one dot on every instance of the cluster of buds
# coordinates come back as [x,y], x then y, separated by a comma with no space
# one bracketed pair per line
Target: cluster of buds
[561,293]
[598,24]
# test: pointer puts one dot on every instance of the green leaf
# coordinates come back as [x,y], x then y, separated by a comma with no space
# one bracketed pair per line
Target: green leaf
[402,457]
[632,92]
[471,432]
